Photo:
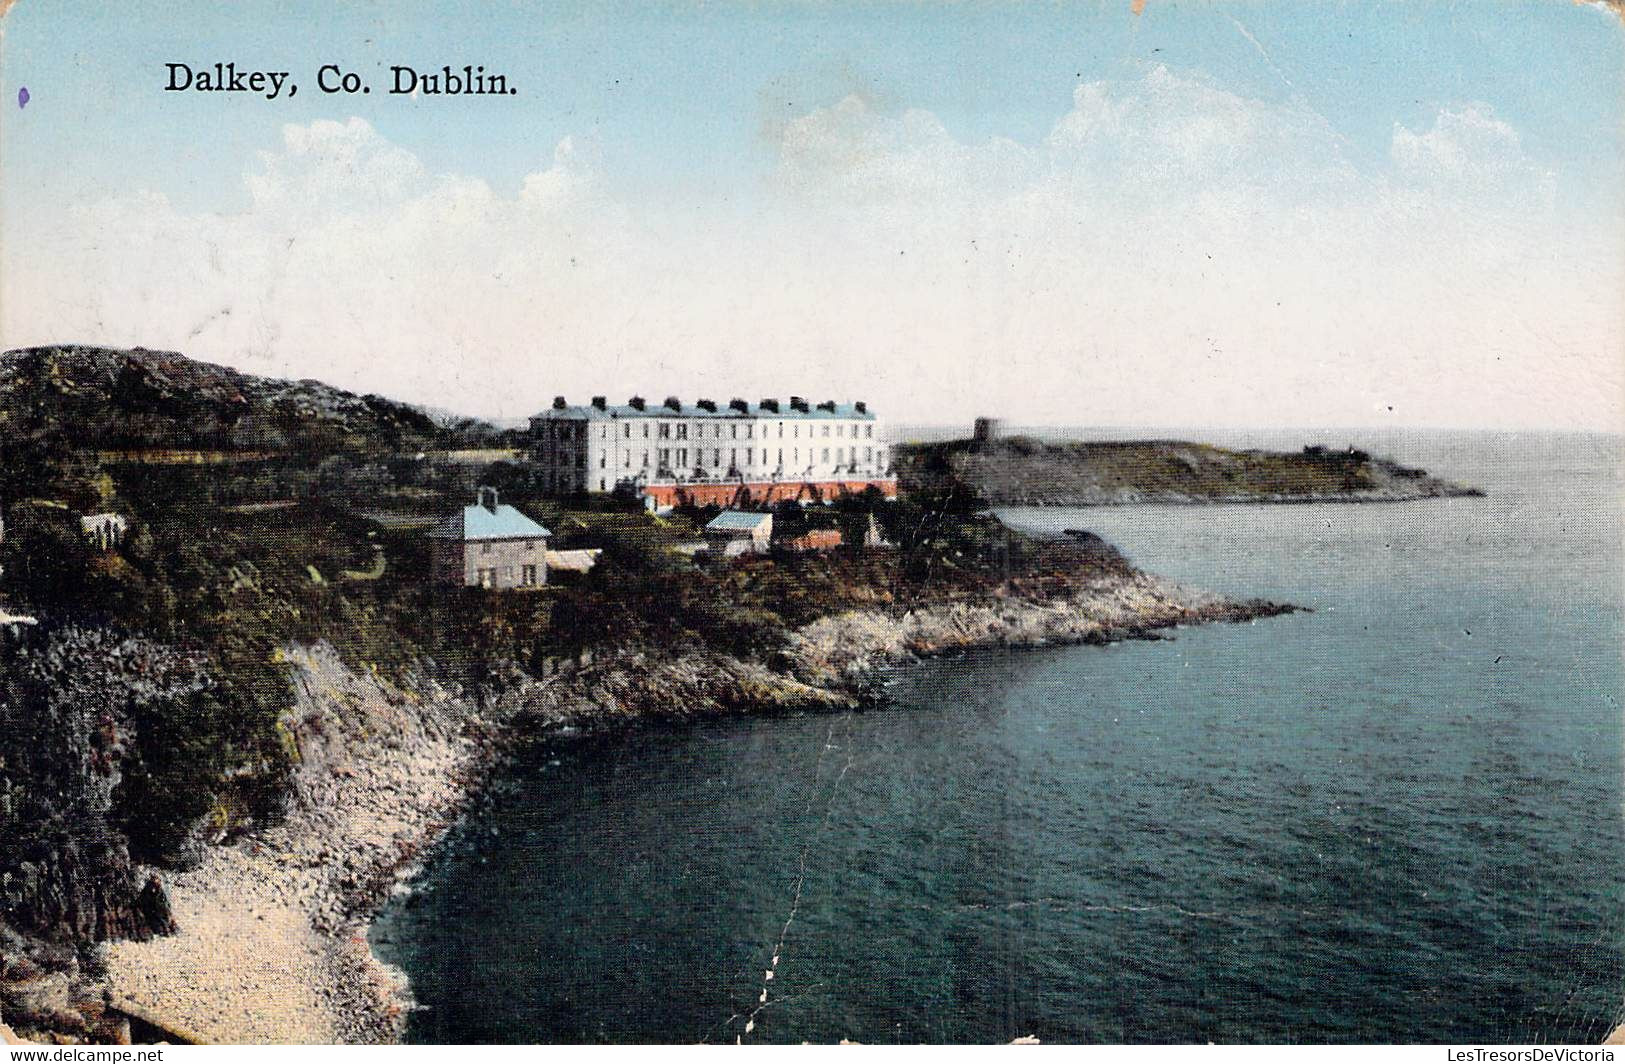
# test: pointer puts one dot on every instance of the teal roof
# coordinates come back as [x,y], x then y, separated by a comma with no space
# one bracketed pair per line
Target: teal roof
[736,521]
[479,522]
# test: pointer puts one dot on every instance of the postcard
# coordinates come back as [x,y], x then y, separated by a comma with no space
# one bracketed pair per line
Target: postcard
[812,522]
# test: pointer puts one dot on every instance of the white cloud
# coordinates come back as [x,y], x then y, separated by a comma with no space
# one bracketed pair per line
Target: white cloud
[1470,151]
[1170,253]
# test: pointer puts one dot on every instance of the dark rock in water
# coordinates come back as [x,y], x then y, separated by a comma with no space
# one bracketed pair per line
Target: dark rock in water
[152,907]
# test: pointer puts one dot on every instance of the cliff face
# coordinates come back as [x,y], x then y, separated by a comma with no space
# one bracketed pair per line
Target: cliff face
[72,704]
[1027,472]
[272,927]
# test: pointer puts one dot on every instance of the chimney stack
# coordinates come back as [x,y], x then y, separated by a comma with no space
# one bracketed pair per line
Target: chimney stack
[707,405]
[601,402]
[559,403]
[674,403]
[769,404]
[861,407]
[798,403]
[827,404]
[488,498]
[739,405]
[636,402]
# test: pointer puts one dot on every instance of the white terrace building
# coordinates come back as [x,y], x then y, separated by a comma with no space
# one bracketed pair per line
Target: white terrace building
[768,447]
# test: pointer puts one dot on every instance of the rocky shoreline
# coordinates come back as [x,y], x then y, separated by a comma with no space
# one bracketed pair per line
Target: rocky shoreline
[272,929]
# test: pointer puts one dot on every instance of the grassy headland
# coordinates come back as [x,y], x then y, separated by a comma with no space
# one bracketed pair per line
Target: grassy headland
[1021,471]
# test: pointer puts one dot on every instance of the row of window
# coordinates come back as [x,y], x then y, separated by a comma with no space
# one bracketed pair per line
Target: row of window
[488,577]
[667,430]
[841,456]
[485,548]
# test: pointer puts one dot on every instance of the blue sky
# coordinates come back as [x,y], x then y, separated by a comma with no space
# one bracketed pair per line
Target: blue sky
[677,94]
[683,120]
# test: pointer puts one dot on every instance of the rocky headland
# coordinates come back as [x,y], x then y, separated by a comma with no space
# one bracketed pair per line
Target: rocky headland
[1021,471]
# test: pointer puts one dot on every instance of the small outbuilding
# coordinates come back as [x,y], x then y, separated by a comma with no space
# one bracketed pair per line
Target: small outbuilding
[735,532]
[814,539]
[490,545]
[573,561]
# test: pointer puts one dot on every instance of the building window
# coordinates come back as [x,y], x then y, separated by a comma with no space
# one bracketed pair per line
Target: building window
[825,457]
[530,544]
[527,575]
[628,463]
[665,431]
[602,460]
[645,430]
[646,459]
[485,548]
[665,457]
[781,430]
[628,430]
[682,432]
[600,483]
[826,430]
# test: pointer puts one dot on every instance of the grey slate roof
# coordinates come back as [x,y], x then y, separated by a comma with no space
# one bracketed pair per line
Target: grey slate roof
[477,522]
[736,521]
[843,411]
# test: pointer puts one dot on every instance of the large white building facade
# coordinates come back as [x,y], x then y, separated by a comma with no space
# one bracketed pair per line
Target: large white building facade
[708,449]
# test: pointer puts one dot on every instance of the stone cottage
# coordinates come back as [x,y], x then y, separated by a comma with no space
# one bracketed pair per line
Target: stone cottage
[489,545]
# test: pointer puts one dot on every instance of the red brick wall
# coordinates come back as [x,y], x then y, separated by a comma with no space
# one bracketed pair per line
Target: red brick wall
[817,539]
[758,493]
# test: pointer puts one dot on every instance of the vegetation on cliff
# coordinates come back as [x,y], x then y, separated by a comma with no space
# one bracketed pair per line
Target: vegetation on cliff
[151,710]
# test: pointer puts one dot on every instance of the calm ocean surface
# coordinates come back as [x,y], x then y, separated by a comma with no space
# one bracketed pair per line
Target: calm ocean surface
[1398,818]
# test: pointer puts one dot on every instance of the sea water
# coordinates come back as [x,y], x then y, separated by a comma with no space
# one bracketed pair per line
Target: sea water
[1397,818]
